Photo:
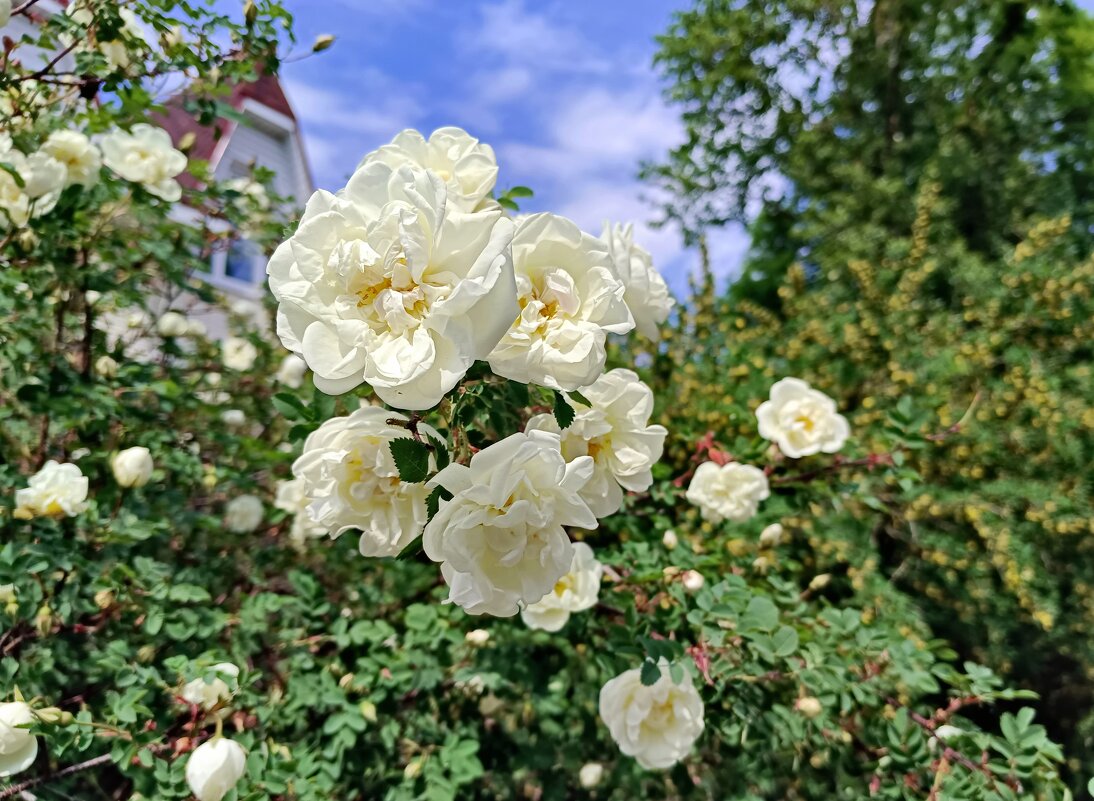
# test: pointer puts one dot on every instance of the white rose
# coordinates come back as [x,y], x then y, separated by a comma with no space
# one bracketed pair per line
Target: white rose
[172,324]
[570,300]
[616,433]
[5,12]
[291,498]
[590,775]
[106,367]
[382,285]
[577,591]
[14,202]
[18,747]
[80,157]
[771,536]
[132,467]
[500,539]
[145,156]
[291,372]
[249,188]
[800,420]
[196,328]
[233,417]
[729,492]
[350,481]
[244,514]
[42,175]
[647,294]
[467,167]
[57,490]
[215,767]
[238,353]
[208,694]
[657,725]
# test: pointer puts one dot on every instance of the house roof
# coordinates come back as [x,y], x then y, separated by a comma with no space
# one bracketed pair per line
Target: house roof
[211,140]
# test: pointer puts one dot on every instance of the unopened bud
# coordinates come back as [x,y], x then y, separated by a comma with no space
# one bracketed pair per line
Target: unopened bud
[669,540]
[809,706]
[345,681]
[771,536]
[413,769]
[187,141]
[368,711]
[43,620]
[671,572]
[322,43]
[820,581]
[52,714]
[693,581]
[250,12]
[477,637]
[104,599]
[146,653]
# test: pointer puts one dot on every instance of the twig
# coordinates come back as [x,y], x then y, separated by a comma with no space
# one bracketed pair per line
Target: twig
[79,767]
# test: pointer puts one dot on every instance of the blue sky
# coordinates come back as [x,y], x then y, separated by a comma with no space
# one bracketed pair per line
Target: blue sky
[564,91]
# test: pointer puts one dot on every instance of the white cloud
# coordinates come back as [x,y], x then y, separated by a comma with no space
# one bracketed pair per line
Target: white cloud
[510,30]
[340,130]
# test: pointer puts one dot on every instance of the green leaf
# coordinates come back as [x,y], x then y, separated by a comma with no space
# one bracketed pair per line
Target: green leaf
[10,170]
[411,459]
[520,191]
[564,412]
[577,396]
[760,615]
[440,452]
[650,673]
[785,641]
[506,203]
[290,406]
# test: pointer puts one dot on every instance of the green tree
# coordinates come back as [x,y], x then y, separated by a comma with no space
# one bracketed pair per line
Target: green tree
[922,172]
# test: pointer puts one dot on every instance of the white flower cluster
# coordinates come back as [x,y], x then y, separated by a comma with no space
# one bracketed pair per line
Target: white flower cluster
[31,183]
[411,273]
[801,421]
[405,278]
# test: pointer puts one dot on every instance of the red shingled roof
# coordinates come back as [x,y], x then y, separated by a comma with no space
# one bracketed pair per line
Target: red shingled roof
[178,122]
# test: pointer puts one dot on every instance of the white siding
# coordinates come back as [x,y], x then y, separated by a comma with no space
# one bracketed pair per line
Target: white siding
[266,148]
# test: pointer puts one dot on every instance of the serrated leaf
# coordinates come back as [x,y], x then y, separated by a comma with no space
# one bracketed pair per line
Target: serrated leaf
[440,452]
[411,459]
[650,673]
[290,406]
[564,412]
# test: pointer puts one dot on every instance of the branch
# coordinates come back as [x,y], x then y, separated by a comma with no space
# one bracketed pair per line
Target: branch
[79,767]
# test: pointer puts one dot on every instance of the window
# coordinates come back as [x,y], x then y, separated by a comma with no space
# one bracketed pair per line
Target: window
[243,255]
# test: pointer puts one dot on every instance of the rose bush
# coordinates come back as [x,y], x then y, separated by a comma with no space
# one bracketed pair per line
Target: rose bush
[181,618]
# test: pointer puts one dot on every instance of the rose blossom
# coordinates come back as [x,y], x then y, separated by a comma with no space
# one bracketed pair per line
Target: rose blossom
[18,747]
[647,294]
[132,467]
[350,481]
[658,724]
[801,420]
[467,166]
[244,514]
[615,431]
[385,283]
[215,767]
[577,591]
[57,490]
[727,492]
[500,539]
[144,155]
[570,300]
